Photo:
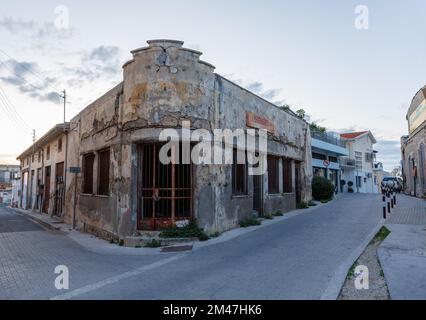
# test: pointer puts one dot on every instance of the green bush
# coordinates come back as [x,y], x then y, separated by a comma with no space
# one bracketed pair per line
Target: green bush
[268,217]
[302,205]
[190,231]
[312,204]
[153,244]
[279,213]
[322,189]
[248,222]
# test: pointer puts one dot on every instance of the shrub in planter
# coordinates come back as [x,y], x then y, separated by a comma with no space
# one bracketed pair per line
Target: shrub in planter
[322,189]
[342,185]
[350,185]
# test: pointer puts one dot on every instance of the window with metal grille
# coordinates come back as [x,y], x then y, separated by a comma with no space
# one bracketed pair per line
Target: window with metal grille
[60,145]
[88,161]
[239,174]
[273,179]
[287,176]
[103,180]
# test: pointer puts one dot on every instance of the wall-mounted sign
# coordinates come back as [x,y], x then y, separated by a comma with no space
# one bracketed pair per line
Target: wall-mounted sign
[326,163]
[259,122]
[75,170]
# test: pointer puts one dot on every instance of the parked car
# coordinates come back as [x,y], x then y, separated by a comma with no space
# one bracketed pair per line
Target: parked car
[392,182]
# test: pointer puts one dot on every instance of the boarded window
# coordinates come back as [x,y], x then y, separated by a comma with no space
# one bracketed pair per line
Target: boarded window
[273,179]
[103,185]
[287,176]
[88,161]
[239,174]
[60,145]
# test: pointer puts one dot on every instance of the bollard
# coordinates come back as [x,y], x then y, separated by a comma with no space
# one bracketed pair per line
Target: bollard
[384,212]
[389,207]
[394,200]
[392,203]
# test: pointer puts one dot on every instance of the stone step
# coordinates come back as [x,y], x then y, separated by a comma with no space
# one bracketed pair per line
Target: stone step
[142,241]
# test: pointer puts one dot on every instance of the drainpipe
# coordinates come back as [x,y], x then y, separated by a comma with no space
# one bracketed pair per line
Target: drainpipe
[64,206]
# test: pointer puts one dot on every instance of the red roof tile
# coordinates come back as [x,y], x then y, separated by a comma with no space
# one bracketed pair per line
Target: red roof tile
[352,135]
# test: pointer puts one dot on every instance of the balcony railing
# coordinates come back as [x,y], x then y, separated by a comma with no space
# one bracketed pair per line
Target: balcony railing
[347,162]
[327,137]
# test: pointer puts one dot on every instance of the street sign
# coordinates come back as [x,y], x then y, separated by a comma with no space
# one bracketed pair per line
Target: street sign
[326,163]
[75,169]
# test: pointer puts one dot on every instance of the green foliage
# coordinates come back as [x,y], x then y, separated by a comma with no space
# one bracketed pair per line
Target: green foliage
[302,205]
[215,235]
[268,217]
[382,234]
[190,231]
[278,213]
[153,244]
[322,189]
[301,113]
[312,204]
[121,242]
[316,127]
[248,222]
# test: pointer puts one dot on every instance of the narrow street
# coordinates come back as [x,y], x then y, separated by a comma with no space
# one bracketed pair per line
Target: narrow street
[296,258]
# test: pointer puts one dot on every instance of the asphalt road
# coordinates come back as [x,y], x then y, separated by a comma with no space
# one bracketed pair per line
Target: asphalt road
[294,258]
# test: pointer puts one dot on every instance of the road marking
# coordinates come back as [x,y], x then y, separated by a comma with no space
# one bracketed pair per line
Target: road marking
[103,283]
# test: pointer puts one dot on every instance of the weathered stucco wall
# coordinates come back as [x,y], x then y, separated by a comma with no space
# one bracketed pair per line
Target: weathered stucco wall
[163,85]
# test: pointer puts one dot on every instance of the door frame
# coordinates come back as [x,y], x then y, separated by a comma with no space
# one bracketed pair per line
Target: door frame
[258,194]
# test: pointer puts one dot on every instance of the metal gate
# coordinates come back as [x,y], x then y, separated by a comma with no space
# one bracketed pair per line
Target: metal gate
[258,194]
[164,191]
[59,189]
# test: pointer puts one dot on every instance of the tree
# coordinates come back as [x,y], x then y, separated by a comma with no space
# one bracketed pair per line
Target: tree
[301,113]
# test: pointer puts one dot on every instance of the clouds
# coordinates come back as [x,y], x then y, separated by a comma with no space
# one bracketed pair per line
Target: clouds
[389,153]
[37,31]
[258,88]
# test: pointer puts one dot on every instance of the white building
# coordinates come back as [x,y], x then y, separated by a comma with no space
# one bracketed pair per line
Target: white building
[358,167]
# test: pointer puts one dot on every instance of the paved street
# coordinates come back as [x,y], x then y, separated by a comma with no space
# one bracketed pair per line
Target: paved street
[293,258]
[403,254]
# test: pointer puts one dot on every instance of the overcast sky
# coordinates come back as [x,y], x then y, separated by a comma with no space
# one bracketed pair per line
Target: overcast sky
[304,53]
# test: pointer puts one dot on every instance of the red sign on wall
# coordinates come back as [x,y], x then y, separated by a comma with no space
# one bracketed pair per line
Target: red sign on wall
[258,122]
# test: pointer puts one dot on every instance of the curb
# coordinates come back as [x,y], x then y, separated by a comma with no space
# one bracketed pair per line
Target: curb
[336,283]
[38,220]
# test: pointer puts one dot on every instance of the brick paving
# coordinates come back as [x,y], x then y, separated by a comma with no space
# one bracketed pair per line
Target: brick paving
[29,255]
[409,210]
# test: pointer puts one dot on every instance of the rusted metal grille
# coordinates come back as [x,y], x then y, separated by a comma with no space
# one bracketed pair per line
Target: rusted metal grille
[46,194]
[88,161]
[239,175]
[104,160]
[59,189]
[165,191]
[273,179]
[287,176]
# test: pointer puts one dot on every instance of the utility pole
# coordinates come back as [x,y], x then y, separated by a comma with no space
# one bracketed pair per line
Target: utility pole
[66,155]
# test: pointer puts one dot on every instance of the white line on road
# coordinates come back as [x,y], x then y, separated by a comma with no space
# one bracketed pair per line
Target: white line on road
[103,283]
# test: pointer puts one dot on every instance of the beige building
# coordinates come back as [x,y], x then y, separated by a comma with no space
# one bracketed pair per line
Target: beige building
[43,173]
[413,147]
[123,188]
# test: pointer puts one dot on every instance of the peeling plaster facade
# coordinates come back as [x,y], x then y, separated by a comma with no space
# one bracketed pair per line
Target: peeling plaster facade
[163,85]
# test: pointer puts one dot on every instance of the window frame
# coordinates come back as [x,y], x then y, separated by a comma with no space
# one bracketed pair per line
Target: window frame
[287,179]
[275,175]
[236,167]
[85,184]
[103,188]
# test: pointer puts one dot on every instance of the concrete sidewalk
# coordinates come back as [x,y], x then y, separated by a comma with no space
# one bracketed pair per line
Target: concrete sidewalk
[403,253]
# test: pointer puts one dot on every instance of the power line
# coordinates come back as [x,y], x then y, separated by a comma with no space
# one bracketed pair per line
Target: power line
[11,112]
[39,76]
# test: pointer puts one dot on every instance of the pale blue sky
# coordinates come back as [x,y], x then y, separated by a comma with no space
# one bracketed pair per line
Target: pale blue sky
[306,53]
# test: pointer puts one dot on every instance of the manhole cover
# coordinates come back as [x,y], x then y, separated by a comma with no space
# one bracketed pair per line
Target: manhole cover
[177,249]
